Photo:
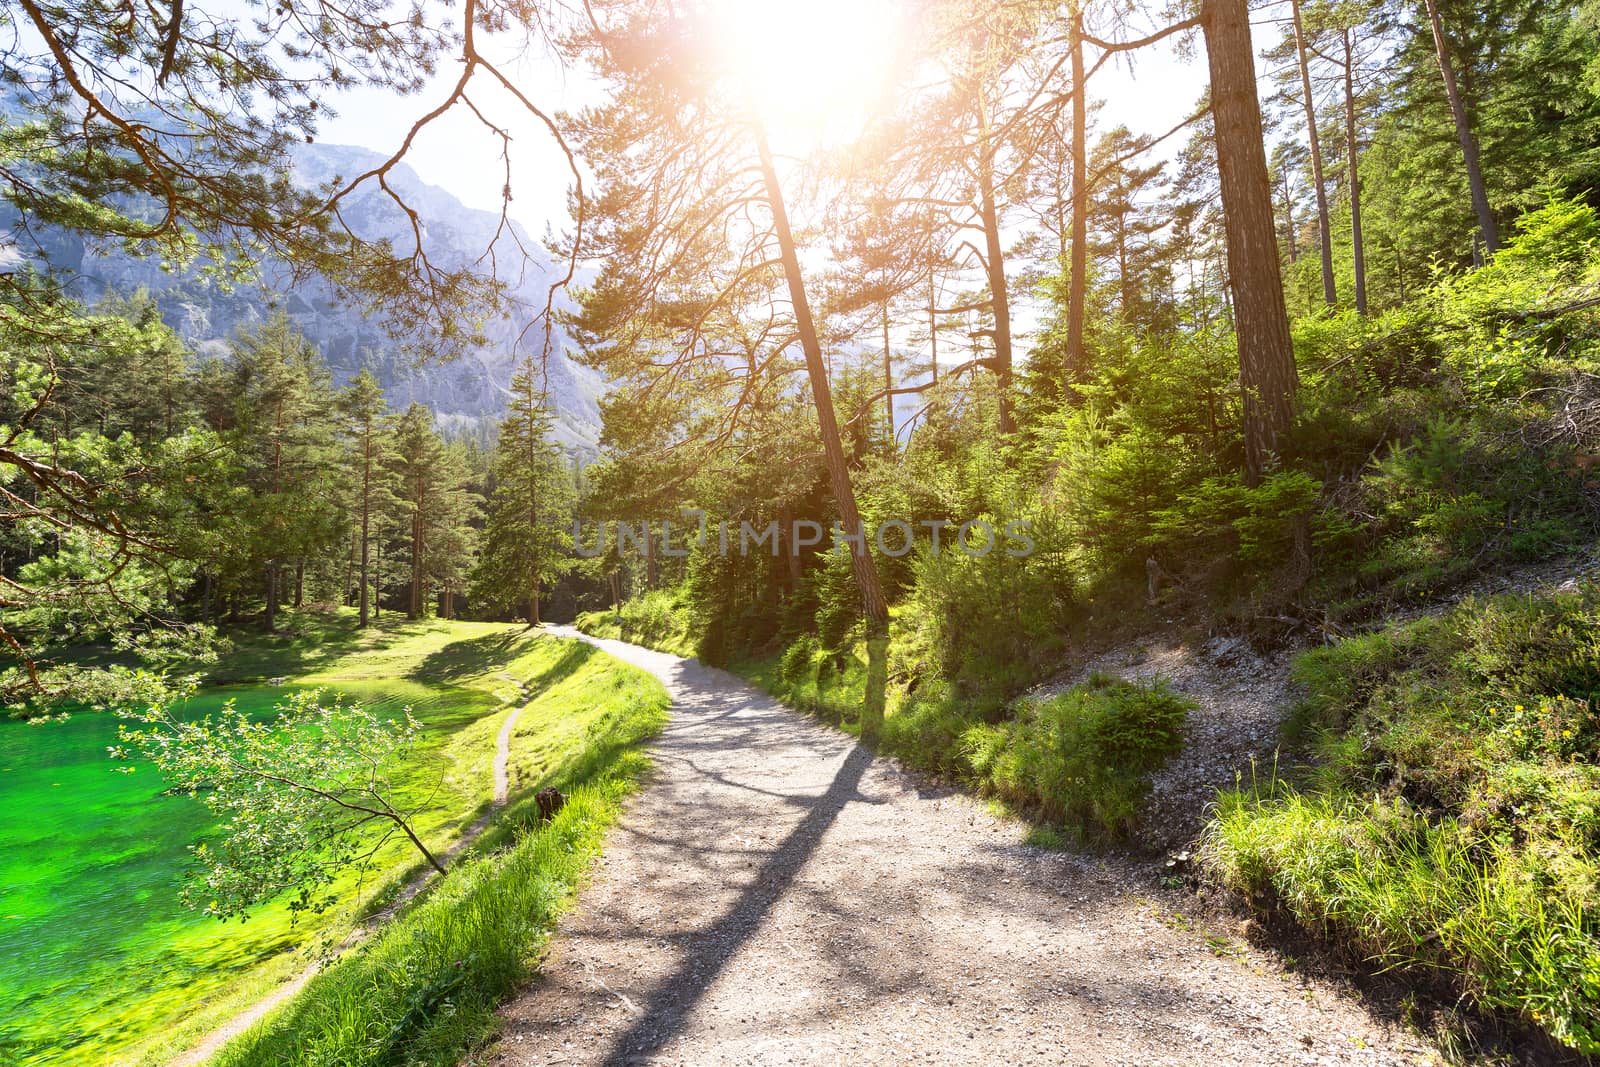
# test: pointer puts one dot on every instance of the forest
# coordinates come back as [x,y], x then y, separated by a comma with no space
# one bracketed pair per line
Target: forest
[1064,443]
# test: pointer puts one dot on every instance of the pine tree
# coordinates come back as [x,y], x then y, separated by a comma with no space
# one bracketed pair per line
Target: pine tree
[285,434]
[527,541]
[434,503]
[369,458]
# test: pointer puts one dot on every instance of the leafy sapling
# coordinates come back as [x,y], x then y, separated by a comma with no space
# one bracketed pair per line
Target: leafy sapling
[300,797]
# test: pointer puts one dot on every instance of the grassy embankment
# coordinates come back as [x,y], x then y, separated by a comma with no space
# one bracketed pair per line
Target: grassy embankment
[1450,824]
[424,987]
[100,960]
[1078,762]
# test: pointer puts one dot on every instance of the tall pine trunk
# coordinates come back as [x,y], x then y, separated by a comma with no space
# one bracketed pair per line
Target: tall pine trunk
[1324,226]
[272,596]
[1288,218]
[415,609]
[1078,271]
[874,607]
[1352,147]
[1267,375]
[995,265]
[366,527]
[349,571]
[1124,286]
[1464,134]
[888,376]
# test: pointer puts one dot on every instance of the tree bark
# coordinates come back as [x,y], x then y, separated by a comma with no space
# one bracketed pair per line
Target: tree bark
[1267,374]
[888,377]
[1078,270]
[1352,147]
[1330,295]
[1288,218]
[272,596]
[1124,283]
[366,526]
[417,549]
[995,266]
[1464,134]
[874,606]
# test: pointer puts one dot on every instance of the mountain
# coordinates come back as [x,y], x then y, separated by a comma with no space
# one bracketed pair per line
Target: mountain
[466,395]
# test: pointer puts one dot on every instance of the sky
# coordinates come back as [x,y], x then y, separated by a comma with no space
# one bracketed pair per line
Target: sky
[458,154]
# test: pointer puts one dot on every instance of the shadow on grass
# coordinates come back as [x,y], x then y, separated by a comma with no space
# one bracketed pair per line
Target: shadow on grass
[307,641]
[471,657]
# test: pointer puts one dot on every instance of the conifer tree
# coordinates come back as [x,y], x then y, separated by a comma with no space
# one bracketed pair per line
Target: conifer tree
[283,430]
[527,540]
[369,458]
[434,504]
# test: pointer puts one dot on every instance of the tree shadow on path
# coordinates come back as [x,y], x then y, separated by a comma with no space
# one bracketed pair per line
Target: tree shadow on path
[663,1015]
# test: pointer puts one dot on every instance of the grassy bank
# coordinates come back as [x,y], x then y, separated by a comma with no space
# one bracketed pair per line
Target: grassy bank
[423,989]
[1078,761]
[99,962]
[1450,824]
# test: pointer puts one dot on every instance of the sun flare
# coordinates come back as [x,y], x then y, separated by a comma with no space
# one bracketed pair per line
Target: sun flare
[816,71]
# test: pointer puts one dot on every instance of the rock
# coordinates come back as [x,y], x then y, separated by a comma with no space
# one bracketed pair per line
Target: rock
[1227,651]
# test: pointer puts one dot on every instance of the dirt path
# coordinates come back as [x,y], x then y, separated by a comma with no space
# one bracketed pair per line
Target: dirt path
[778,896]
[502,743]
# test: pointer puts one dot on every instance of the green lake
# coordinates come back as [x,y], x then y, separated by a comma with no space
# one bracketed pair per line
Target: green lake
[92,935]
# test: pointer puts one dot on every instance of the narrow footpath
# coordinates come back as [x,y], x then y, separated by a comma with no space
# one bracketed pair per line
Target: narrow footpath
[776,895]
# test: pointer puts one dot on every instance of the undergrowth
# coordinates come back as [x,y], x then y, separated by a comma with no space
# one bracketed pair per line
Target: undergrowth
[1451,820]
[1079,761]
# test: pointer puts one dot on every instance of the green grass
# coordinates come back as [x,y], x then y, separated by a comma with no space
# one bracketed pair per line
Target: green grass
[1083,758]
[424,988]
[98,960]
[1451,821]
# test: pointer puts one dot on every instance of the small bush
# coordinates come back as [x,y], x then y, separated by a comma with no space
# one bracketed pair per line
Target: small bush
[991,624]
[799,663]
[1082,758]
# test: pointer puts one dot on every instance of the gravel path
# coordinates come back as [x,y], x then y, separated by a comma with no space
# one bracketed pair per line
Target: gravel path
[778,896]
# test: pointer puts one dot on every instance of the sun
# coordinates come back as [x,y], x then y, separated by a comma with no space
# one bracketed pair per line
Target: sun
[814,71]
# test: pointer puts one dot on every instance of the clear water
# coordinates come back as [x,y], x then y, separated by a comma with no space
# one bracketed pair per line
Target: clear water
[91,861]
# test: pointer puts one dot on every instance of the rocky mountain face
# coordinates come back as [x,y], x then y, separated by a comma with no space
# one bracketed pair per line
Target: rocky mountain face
[467,395]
